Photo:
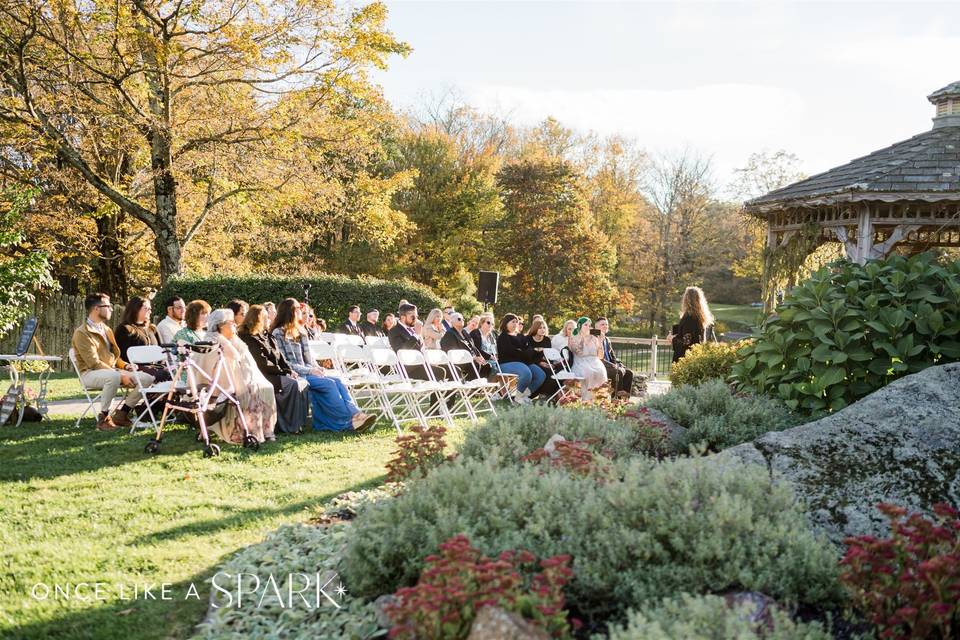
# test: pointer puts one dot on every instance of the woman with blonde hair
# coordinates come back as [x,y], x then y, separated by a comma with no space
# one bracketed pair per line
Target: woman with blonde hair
[433,329]
[696,323]
[561,341]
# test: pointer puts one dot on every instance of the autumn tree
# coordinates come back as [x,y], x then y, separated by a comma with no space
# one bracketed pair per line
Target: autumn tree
[559,261]
[201,98]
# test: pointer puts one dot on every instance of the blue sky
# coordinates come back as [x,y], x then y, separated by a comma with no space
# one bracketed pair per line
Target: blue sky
[826,81]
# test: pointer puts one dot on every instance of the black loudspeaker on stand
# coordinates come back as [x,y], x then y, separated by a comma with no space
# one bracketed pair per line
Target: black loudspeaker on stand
[487,287]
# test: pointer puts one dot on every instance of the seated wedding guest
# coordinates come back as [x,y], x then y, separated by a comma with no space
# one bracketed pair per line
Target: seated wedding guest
[195,323]
[458,338]
[696,323]
[388,323]
[516,358]
[621,378]
[271,310]
[561,341]
[135,330]
[290,390]
[587,359]
[333,408]
[310,322]
[351,326]
[100,365]
[447,313]
[404,336]
[369,327]
[472,324]
[433,330]
[173,322]
[485,340]
[251,389]
[538,339]
[239,308]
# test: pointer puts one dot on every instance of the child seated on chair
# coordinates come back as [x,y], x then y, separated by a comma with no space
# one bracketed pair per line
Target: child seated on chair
[100,365]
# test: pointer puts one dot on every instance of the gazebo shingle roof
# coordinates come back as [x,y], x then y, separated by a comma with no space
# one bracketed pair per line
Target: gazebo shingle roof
[926,167]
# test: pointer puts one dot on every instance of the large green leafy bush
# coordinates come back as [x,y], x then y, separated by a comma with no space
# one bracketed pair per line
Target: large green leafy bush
[708,617]
[704,361]
[330,295]
[656,529]
[23,271]
[715,416]
[851,329]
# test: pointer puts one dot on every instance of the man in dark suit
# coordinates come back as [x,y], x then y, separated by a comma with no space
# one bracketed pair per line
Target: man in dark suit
[404,336]
[457,338]
[620,376]
[369,327]
[350,327]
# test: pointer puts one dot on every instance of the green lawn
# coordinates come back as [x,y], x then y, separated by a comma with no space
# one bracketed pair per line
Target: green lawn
[78,505]
[737,317]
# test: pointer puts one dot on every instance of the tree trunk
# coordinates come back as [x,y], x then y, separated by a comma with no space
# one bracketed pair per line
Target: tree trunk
[167,242]
[111,268]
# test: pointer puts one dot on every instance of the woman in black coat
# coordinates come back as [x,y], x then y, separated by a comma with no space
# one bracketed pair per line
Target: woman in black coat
[291,391]
[696,323]
[135,330]
[517,358]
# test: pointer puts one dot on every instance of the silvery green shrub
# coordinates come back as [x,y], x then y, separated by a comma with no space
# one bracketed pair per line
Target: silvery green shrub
[718,418]
[707,617]
[661,528]
[513,433]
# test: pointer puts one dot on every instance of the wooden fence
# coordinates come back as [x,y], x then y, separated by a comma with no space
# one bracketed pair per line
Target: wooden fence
[58,316]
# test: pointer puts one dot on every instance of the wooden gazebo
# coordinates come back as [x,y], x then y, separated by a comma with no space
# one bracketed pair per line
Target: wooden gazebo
[907,195]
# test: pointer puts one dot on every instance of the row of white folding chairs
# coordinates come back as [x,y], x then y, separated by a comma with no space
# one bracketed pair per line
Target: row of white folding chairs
[379,381]
[344,338]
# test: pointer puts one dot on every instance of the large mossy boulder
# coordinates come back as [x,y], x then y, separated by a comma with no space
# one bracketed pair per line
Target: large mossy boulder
[900,445]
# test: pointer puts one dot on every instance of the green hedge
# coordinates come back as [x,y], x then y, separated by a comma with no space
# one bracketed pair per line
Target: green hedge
[330,295]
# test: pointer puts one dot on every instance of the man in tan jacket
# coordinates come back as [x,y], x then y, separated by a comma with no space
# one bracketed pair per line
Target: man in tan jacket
[100,365]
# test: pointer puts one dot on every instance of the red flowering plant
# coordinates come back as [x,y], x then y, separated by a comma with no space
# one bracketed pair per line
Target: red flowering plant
[417,452]
[908,585]
[576,456]
[456,584]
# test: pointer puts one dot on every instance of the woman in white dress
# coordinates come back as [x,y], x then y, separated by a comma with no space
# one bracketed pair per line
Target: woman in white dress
[587,359]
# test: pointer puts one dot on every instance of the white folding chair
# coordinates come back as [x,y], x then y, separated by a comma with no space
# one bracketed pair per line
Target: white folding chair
[400,396]
[563,375]
[459,403]
[149,354]
[327,337]
[435,393]
[324,351]
[377,341]
[91,400]
[479,390]
[354,340]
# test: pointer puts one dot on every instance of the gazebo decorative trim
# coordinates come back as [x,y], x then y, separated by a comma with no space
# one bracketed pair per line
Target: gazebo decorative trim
[906,195]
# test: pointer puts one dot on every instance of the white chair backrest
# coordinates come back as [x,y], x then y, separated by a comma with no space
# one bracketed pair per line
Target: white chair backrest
[322,350]
[411,357]
[354,340]
[351,354]
[552,355]
[377,341]
[147,354]
[327,337]
[384,357]
[459,356]
[73,360]
[437,357]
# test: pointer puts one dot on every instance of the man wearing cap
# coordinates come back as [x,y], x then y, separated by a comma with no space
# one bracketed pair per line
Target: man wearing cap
[369,326]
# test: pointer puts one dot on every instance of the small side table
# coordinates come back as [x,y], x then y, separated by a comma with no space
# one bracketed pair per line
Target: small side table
[16,395]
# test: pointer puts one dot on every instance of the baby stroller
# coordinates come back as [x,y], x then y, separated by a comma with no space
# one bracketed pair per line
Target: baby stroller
[204,396]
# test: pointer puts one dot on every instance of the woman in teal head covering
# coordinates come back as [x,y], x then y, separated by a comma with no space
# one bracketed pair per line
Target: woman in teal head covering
[587,359]
[582,320]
